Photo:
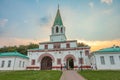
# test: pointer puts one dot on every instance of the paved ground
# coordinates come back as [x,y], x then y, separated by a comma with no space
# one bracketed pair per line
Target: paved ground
[71,75]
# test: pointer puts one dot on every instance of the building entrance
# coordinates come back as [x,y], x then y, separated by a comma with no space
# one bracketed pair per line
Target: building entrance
[70,63]
[46,63]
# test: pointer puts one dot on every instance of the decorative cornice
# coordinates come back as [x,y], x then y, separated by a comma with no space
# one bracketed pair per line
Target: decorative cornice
[59,42]
[52,50]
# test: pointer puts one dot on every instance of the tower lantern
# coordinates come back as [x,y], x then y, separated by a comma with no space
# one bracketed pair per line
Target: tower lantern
[58,29]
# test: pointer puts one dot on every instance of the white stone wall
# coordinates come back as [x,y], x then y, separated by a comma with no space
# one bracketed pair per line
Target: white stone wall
[14,63]
[41,46]
[63,45]
[96,62]
[56,38]
[73,44]
[50,46]
[61,55]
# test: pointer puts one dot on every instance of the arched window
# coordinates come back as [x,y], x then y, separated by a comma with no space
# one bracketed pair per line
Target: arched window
[61,30]
[57,29]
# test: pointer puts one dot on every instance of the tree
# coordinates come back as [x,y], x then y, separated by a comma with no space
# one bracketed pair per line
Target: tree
[31,46]
[22,48]
[82,44]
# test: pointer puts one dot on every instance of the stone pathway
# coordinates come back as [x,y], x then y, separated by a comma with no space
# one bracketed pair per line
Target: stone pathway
[71,75]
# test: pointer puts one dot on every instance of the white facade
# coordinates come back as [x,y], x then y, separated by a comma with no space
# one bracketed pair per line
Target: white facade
[13,62]
[62,53]
[59,51]
[106,59]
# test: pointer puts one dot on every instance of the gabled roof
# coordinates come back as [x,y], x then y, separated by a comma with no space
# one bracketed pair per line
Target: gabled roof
[6,54]
[58,19]
[110,49]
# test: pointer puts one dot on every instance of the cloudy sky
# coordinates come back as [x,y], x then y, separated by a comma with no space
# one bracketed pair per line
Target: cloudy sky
[94,22]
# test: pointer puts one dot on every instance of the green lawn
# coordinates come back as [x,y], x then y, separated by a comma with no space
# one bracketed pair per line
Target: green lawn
[30,75]
[100,75]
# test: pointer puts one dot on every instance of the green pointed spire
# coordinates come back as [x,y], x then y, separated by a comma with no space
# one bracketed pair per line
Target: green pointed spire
[58,19]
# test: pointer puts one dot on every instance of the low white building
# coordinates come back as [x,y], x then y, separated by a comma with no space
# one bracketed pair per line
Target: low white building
[106,59]
[13,61]
[58,52]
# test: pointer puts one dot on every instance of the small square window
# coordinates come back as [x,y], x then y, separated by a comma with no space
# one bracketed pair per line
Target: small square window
[58,61]
[81,61]
[67,45]
[33,62]
[46,46]
[86,52]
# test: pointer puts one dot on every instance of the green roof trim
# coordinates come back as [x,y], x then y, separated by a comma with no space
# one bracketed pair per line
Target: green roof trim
[58,19]
[110,49]
[13,54]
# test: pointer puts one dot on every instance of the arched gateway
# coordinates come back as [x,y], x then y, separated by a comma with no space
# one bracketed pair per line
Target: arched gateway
[69,59]
[70,63]
[46,63]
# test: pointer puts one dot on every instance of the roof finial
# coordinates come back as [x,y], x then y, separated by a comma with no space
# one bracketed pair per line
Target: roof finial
[58,5]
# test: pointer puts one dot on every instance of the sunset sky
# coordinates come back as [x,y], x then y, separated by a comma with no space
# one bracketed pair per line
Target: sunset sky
[94,22]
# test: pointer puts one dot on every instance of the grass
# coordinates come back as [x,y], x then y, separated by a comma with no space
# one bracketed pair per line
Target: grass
[30,75]
[100,75]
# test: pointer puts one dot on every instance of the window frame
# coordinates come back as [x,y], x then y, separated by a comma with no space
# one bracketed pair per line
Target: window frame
[58,61]
[112,61]
[102,60]
[86,52]
[2,64]
[9,63]
[33,62]
[81,61]
[68,45]
[20,63]
[23,64]
[46,46]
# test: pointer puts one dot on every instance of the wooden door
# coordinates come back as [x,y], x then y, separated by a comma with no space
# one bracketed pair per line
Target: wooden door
[46,63]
